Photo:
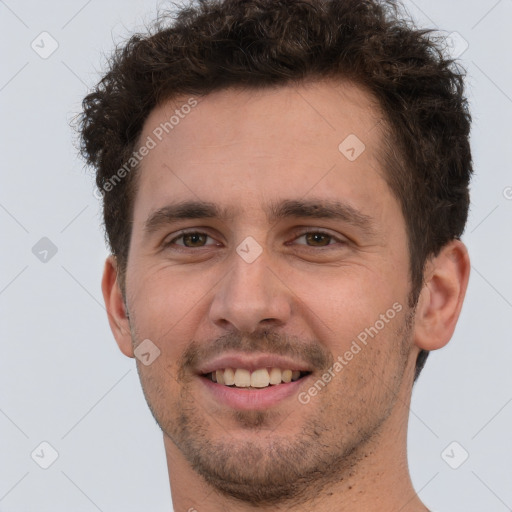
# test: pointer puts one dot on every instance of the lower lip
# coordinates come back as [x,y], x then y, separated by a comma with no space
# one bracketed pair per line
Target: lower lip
[253,399]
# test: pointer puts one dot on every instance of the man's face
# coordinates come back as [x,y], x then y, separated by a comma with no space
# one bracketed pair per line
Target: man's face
[273,248]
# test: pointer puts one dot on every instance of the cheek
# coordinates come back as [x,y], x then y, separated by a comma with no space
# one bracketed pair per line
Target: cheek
[166,302]
[346,302]
[369,360]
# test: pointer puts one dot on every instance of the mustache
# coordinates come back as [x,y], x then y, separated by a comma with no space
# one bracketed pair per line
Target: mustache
[267,341]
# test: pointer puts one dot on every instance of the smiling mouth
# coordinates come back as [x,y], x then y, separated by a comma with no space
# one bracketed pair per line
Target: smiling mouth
[258,379]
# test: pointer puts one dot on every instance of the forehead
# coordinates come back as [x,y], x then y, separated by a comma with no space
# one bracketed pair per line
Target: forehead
[292,139]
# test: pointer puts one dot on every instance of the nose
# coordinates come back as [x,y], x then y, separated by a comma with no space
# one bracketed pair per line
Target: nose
[250,296]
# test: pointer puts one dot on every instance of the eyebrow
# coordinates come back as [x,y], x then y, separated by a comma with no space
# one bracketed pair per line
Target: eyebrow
[314,208]
[319,208]
[184,210]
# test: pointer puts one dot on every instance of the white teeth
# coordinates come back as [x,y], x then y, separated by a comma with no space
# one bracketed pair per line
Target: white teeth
[242,378]
[229,376]
[260,378]
[286,376]
[275,376]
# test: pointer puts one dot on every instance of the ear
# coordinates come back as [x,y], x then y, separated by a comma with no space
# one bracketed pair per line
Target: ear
[440,301]
[116,311]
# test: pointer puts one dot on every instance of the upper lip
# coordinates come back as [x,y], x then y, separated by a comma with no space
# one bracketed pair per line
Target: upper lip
[252,362]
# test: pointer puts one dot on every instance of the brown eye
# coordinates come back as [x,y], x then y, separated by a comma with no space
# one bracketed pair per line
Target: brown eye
[191,240]
[318,239]
[194,239]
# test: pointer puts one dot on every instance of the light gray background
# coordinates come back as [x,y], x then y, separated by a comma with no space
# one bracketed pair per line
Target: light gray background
[62,377]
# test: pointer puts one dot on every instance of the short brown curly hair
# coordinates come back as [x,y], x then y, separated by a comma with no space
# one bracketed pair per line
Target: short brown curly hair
[214,44]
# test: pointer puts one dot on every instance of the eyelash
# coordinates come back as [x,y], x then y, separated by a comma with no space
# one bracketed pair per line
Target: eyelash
[296,235]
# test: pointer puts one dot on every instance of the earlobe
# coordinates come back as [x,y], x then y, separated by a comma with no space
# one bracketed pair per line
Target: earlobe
[441,298]
[116,311]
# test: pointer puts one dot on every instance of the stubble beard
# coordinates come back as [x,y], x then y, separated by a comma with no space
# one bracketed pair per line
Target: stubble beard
[270,468]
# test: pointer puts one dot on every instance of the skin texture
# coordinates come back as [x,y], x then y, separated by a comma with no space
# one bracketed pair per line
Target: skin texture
[306,296]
